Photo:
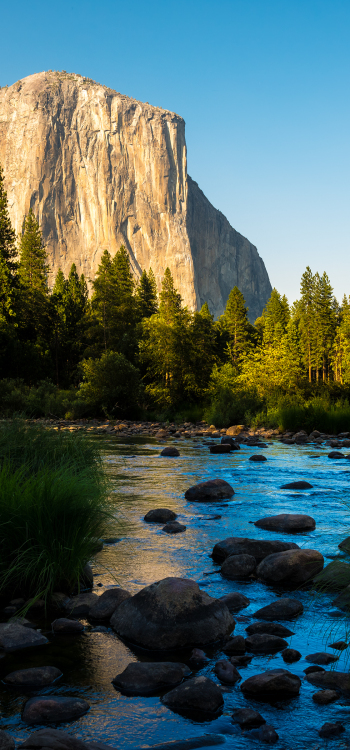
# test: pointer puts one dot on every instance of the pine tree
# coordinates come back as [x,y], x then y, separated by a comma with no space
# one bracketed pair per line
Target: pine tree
[239,330]
[306,309]
[33,286]
[327,317]
[170,299]
[275,313]
[146,295]
[70,303]
[8,265]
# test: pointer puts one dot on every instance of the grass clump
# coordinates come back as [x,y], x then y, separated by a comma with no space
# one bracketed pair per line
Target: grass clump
[53,509]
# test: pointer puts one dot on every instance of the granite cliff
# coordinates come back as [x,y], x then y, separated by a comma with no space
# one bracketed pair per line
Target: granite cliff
[101,169]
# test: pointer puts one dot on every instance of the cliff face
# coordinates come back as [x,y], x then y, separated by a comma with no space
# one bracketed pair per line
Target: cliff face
[99,170]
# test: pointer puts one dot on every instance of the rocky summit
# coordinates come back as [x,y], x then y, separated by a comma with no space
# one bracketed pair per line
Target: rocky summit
[100,169]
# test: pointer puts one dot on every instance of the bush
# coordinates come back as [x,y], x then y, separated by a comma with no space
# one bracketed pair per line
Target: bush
[230,401]
[43,400]
[111,384]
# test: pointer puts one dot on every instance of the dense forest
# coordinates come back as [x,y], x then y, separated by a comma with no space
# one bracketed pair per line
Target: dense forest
[126,350]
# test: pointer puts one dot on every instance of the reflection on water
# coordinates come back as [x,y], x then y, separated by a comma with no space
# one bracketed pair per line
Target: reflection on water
[142,480]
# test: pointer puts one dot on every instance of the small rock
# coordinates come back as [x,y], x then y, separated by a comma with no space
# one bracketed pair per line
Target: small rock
[258,457]
[297,486]
[53,709]
[80,604]
[238,566]
[99,629]
[246,717]
[235,645]
[198,656]
[339,645]
[330,729]
[170,451]
[227,440]
[6,741]
[55,739]
[321,657]
[34,677]
[160,515]
[290,655]
[173,527]
[263,643]
[281,609]
[274,682]
[241,661]
[58,600]
[330,679]
[314,668]
[220,448]
[345,544]
[235,429]
[64,626]
[14,637]
[107,603]
[265,734]
[294,566]
[289,522]
[323,697]
[214,489]
[273,628]
[145,678]
[235,601]
[336,454]
[227,672]
[199,693]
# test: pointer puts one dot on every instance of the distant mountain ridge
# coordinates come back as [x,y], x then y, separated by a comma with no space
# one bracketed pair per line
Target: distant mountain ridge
[101,169]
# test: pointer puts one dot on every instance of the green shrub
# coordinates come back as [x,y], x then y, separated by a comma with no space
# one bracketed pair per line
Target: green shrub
[111,384]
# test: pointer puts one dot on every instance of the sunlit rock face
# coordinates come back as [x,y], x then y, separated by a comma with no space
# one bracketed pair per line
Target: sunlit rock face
[101,169]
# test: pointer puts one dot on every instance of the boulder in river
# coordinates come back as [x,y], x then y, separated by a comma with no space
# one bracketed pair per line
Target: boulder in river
[302,485]
[281,609]
[170,451]
[213,489]
[14,637]
[241,661]
[160,515]
[258,458]
[220,448]
[227,440]
[339,645]
[227,672]
[54,739]
[273,628]
[145,678]
[290,655]
[80,604]
[198,656]
[200,693]
[235,645]
[258,548]
[291,567]
[174,527]
[53,709]
[336,454]
[323,697]
[313,668]
[33,677]
[235,601]
[235,429]
[321,657]
[266,734]
[107,603]
[263,643]
[172,613]
[345,544]
[65,626]
[271,684]
[247,718]
[289,522]
[331,680]
[331,729]
[6,741]
[238,566]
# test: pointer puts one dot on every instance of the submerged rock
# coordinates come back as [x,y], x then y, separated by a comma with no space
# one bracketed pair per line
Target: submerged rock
[290,655]
[220,448]
[281,609]
[145,678]
[107,603]
[265,734]
[297,486]
[199,693]
[273,628]
[14,637]
[291,566]
[263,643]
[331,679]
[53,709]
[331,729]
[235,645]
[160,515]
[258,457]
[80,604]
[323,697]
[321,657]
[33,677]
[214,489]
[198,656]
[170,451]
[238,566]
[336,454]
[290,522]
[258,548]
[54,739]
[339,645]
[241,661]
[246,717]
[64,626]
[172,613]
[314,668]
[235,601]
[274,682]
[173,527]
[227,672]
[227,440]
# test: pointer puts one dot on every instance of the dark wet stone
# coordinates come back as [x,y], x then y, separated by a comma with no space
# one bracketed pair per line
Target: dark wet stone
[220,448]
[238,566]
[290,655]
[321,657]
[54,739]
[258,457]
[246,717]
[323,697]
[281,609]
[170,451]
[99,629]
[230,441]
[263,643]
[339,645]
[35,677]
[345,544]
[64,626]
[58,600]
[160,515]
[265,734]
[330,679]
[235,601]
[214,489]
[258,548]
[87,577]
[53,709]
[274,682]
[336,454]
[107,603]
[198,656]
[291,567]
[331,729]
[273,628]
[111,540]
[241,661]
[14,637]
[297,486]
[227,672]
[310,670]
[80,604]
[172,613]
[173,527]
[235,645]
[145,678]
[6,741]
[199,693]
[290,522]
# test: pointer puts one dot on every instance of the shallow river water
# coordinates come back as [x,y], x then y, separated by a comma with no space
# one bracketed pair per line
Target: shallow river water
[142,480]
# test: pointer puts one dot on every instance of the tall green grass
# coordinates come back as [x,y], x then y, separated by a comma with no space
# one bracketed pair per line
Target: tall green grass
[293,413]
[54,509]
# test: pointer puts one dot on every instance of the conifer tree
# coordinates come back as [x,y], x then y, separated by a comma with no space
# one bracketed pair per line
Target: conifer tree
[33,286]
[146,295]
[239,330]
[306,310]
[70,302]
[275,313]
[170,299]
[8,253]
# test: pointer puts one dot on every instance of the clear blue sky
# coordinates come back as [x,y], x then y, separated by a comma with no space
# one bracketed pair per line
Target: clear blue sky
[263,86]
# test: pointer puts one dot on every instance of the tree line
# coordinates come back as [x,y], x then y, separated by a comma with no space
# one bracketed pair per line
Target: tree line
[126,347]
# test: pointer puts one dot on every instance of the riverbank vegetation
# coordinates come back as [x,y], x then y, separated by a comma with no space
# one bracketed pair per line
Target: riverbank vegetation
[127,351]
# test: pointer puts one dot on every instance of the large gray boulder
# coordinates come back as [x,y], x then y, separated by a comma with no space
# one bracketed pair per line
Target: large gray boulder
[289,522]
[274,682]
[292,566]
[214,489]
[200,693]
[145,678]
[258,548]
[14,637]
[172,613]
